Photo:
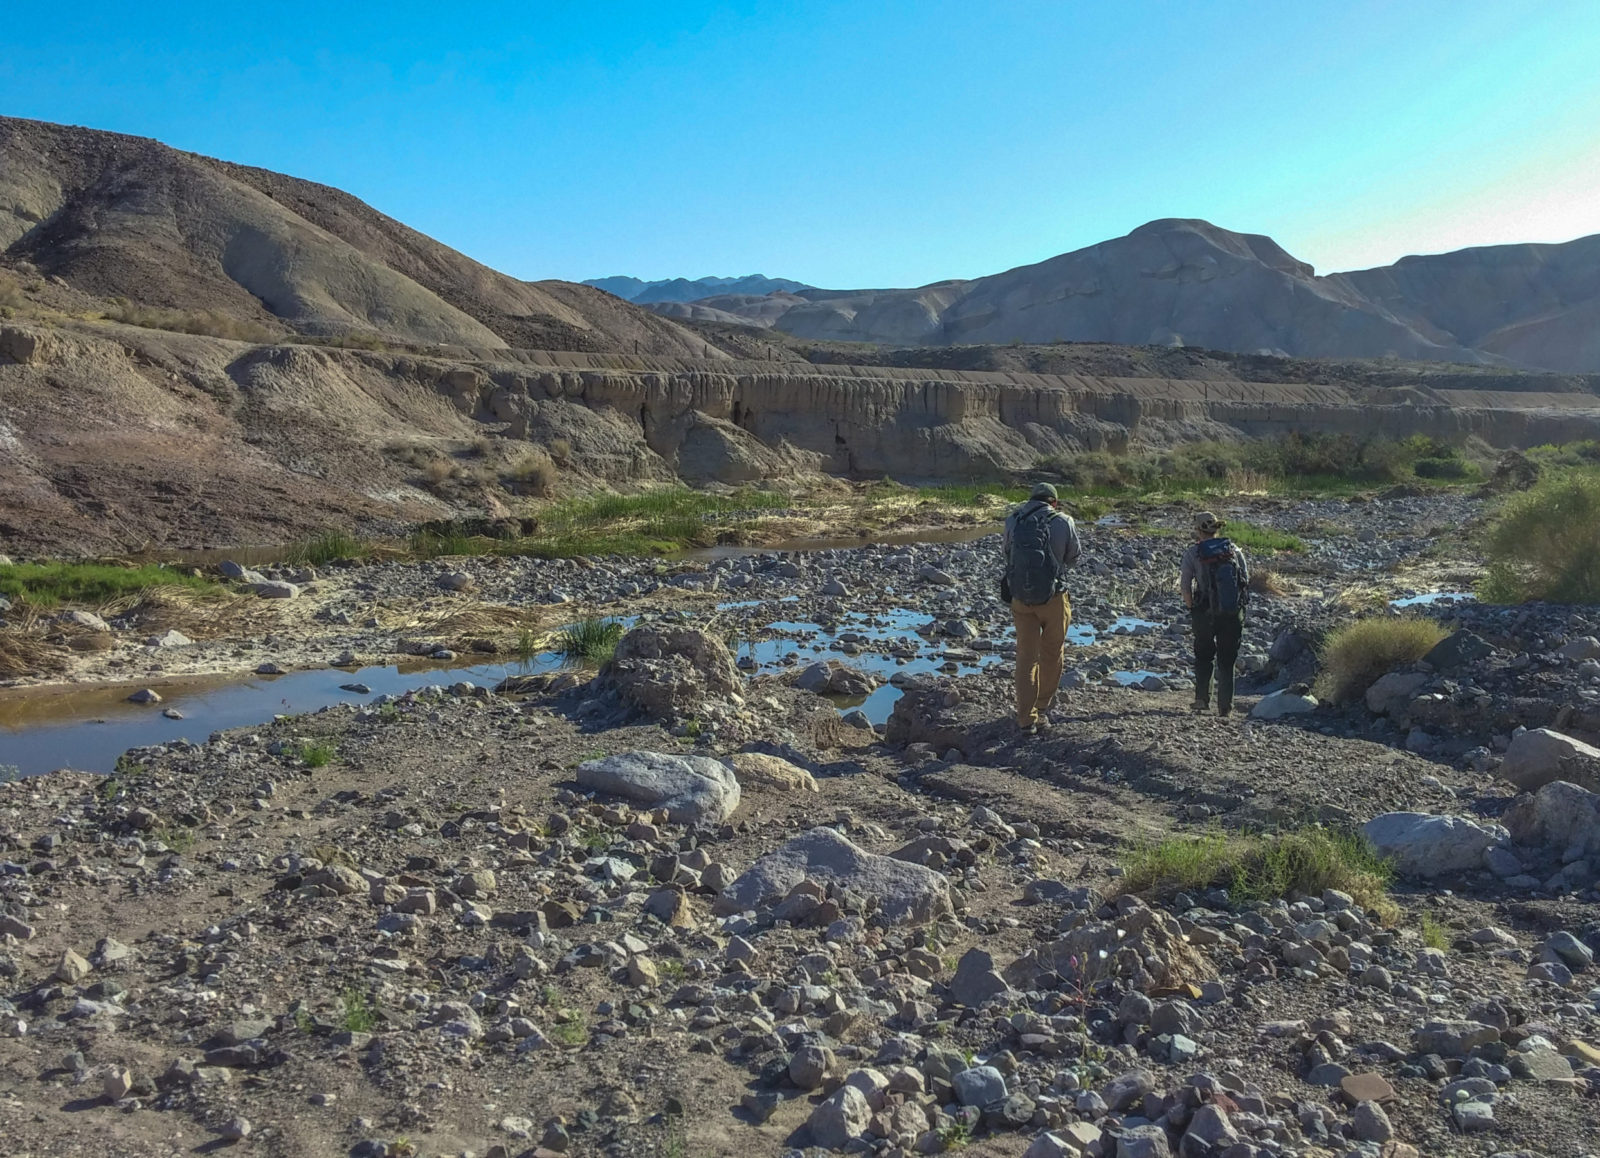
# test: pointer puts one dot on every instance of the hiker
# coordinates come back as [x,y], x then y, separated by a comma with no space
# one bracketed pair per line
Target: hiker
[1214,581]
[1041,542]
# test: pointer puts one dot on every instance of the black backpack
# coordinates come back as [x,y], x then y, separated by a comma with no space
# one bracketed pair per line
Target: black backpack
[1223,585]
[1031,573]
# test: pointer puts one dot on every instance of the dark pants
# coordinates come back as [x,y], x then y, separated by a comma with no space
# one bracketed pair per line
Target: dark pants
[1216,644]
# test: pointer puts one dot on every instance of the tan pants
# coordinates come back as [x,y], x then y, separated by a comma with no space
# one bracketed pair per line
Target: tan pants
[1041,634]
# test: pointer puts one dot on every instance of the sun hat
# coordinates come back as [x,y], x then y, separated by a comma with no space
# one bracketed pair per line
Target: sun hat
[1043,491]
[1206,521]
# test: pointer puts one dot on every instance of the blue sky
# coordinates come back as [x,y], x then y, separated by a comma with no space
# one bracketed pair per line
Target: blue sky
[864,143]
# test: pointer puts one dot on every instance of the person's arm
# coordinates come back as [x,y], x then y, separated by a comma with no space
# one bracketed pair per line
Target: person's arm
[1064,541]
[1244,569]
[1005,540]
[1186,577]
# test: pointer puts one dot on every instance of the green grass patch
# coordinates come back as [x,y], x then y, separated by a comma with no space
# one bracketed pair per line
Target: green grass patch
[435,545]
[1543,543]
[47,585]
[652,523]
[588,642]
[318,754]
[1262,867]
[357,1013]
[569,1032]
[1255,538]
[326,547]
[1355,656]
[1434,934]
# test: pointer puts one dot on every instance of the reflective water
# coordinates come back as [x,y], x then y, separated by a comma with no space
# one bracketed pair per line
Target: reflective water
[87,729]
[41,730]
[1427,599]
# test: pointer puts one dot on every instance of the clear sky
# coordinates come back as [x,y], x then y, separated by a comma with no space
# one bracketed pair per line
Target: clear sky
[863,142]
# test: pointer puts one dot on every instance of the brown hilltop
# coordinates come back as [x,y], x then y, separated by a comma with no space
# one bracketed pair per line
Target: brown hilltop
[121,216]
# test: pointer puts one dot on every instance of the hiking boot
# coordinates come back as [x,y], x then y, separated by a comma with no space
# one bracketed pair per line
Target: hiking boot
[1044,724]
[1200,706]
[1224,710]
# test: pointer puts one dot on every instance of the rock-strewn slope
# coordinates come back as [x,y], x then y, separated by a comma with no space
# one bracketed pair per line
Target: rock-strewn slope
[120,216]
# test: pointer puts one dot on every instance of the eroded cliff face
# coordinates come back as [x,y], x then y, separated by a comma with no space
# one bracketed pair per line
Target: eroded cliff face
[115,438]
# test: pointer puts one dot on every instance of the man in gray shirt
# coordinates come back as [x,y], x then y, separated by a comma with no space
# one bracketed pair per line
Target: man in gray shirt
[1216,631]
[1040,543]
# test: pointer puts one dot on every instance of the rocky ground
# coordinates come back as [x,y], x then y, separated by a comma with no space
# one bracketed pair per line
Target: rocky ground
[681,909]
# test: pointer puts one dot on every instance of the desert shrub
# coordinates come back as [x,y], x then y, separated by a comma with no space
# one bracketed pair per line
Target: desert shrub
[209,323]
[1545,543]
[1356,655]
[439,469]
[561,450]
[482,445]
[319,754]
[1453,468]
[534,474]
[10,291]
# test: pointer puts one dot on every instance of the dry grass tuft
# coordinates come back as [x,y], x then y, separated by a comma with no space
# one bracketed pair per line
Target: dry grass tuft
[1357,655]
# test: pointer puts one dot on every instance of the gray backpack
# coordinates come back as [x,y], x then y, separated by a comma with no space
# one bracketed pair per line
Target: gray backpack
[1031,572]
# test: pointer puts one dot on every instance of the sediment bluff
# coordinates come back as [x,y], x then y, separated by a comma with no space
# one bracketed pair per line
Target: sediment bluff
[116,438]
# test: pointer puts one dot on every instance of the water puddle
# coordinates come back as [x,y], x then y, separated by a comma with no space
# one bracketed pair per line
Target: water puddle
[1430,598]
[87,729]
[1128,678]
[41,731]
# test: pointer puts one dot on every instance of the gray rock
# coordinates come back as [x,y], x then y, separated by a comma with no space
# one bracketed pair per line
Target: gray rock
[977,981]
[1280,704]
[1453,1038]
[1473,1117]
[1584,647]
[456,581]
[1371,1123]
[1393,693]
[145,696]
[906,893]
[979,1086]
[1426,845]
[840,1118]
[172,638]
[273,589]
[1459,649]
[1210,1132]
[693,789]
[1128,1089]
[1540,756]
[1560,815]
[1144,1142]
[87,620]
[1570,951]
[809,1066]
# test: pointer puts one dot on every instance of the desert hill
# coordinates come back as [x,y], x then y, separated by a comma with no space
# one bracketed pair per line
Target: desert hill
[116,216]
[1188,282]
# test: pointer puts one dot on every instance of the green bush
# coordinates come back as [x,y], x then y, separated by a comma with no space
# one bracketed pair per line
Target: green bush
[325,548]
[1355,656]
[1545,543]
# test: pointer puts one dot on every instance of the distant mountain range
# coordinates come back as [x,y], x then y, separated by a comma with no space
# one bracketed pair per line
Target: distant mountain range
[680,289]
[1188,282]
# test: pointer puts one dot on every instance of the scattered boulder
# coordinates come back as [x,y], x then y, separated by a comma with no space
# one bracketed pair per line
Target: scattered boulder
[693,789]
[1279,704]
[1540,756]
[85,620]
[1393,693]
[671,672]
[273,589]
[976,980]
[906,893]
[1559,815]
[1426,845]
[171,638]
[760,769]
[1458,649]
[840,1118]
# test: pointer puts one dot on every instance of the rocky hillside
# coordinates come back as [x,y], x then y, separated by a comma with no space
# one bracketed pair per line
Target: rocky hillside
[1188,282]
[114,216]
[115,437]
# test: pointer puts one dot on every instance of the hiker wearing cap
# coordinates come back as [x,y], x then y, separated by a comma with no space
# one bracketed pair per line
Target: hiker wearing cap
[1214,581]
[1040,543]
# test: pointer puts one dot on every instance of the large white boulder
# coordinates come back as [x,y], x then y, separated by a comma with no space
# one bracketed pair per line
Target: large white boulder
[1425,845]
[693,789]
[1541,756]
[906,893]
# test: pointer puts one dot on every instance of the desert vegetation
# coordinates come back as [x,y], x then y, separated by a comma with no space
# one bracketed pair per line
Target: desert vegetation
[1358,654]
[1545,542]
